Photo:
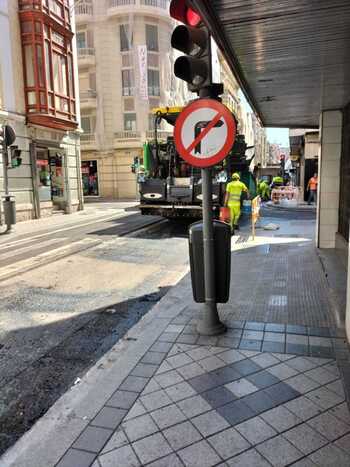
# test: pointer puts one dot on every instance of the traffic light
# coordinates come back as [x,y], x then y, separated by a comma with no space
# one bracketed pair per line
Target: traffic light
[7,136]
[16,159]
[193,39]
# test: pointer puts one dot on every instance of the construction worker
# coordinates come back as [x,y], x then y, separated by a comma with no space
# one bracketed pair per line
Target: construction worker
[234,191]
[312,189]
[264,190]
[277,182]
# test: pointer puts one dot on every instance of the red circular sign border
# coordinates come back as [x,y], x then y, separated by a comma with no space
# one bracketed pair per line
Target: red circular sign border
[231,132]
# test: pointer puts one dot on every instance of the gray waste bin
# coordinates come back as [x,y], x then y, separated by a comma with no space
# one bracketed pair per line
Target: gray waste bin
[222,241]
[9,205]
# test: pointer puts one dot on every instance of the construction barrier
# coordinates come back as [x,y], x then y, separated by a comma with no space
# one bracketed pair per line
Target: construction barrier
[285,192]
[256,202]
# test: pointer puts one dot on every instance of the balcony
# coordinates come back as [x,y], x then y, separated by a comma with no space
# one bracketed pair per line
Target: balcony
[128,139]
[88,141]
[88,99]
[83,11]
[161,134]
[86,57]
[147,7]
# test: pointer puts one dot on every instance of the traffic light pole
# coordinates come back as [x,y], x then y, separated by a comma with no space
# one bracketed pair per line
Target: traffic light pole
[209,324]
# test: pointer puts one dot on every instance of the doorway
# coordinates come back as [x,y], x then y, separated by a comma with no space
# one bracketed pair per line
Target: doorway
[49,164]
[90,178]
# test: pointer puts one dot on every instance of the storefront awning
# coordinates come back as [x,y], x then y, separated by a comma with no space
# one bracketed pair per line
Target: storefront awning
[291,57]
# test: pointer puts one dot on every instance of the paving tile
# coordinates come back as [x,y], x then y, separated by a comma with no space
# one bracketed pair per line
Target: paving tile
[253,335]
[297,349]
[228,443]
[344,443]
[324,398]
[194,406]
[210,423]
[200,454]
[168,337]
[144,369]
[254,326]
[92,439]
[152,386]
[283,357]
[306,462]
[76,458]
[259,402]
[207,340]
[342,412]
[108,417]
[234,333]
[263,379]
[168,416]
[303,408]
[168,378]
[175,328]
[151,448]
[281,393]
[256,430]
[273,347]
[249,458]
[250,344]
[180,391]
[279,451]
[199,353]
[305,438]
[169,461]
[231,356]
[329,456]
[156,400]
[155,358]
[124,456]
[320,341]
[179,360]
[134,383]
[164,367]
[204,382]
[139,427]
[322,352]
[302,383]
[122,399]
[218,396]
[292,329]
[272,327]
[250,353]
[301,364]
[280,418]
[187,339]
[321,375]
[211,363]
[274,337]
[236,412]
[317,331]
[282,371]
[191,370]
[320,361]
[117,440]
[246,367]
[297,339]
[231,342]
[225,375]
[265,360]
[182,435]
[332,368]
[237,324]
[241,387]
[136,410]
[329,426]
[163,347]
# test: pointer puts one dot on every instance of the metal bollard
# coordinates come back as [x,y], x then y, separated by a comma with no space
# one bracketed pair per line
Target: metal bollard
[9,205]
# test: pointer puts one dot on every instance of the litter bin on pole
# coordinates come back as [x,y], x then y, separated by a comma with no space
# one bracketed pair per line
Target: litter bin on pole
[9,206]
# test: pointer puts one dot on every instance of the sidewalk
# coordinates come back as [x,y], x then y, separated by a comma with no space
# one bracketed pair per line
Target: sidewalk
[269,392]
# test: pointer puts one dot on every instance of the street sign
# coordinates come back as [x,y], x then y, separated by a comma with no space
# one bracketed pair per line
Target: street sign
[204,132]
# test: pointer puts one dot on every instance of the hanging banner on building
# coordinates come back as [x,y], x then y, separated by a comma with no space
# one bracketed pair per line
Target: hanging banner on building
[142,57]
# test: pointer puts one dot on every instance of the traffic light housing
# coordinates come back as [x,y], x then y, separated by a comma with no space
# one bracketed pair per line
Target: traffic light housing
[193,39]
[16,160]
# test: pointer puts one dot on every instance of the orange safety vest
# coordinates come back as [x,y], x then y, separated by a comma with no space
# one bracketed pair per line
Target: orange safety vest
[313,183]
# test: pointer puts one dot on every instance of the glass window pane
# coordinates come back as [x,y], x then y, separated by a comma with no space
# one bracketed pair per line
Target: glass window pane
[130,122]
[152,37]
[86,124]
[48,66]
[39,54]
[153,83]
[125,37]
[81,40]
[127,82]
[28,52]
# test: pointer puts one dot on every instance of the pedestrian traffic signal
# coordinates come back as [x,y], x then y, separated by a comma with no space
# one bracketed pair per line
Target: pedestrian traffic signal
[193,39]
[7,136]
[16,159]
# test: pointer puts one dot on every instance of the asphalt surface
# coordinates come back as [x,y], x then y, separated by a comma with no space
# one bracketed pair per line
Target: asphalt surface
[58,319]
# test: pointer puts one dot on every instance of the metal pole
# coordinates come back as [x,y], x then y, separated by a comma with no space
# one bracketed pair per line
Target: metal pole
[5,162]
[209,324]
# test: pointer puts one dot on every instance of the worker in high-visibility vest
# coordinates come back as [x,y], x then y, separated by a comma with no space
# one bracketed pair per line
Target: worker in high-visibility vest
[264,190]
[277,182]
[234,191]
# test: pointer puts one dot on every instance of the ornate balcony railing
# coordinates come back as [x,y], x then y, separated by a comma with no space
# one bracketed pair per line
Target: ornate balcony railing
[83,8]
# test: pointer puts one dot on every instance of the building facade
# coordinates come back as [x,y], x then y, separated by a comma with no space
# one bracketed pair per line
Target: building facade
[39,98]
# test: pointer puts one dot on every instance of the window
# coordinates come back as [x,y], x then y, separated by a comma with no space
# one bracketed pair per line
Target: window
[130,122]
[153,83]
[81,40]
[125,37]
[127,83]
[151,118]
[86,124]
[152,37]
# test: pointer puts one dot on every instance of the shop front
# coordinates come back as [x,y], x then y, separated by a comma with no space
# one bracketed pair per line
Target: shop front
[89,174]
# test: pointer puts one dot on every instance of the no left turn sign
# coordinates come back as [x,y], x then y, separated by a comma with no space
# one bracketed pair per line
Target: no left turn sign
[204,132]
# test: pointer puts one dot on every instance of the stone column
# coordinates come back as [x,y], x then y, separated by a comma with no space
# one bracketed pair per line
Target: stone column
[329,171]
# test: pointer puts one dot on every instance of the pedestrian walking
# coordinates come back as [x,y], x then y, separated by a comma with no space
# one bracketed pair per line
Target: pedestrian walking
[234,191]
[312,188]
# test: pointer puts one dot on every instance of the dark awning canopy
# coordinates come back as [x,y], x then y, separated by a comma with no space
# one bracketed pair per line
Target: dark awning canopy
[291,57]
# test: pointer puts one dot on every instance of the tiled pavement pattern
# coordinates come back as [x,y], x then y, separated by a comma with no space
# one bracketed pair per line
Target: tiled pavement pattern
[261,395]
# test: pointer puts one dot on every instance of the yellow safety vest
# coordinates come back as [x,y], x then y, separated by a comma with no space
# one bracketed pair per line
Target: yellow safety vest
[234,189]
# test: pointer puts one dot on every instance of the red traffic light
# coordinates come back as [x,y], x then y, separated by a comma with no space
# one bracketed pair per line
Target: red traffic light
[181,12]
